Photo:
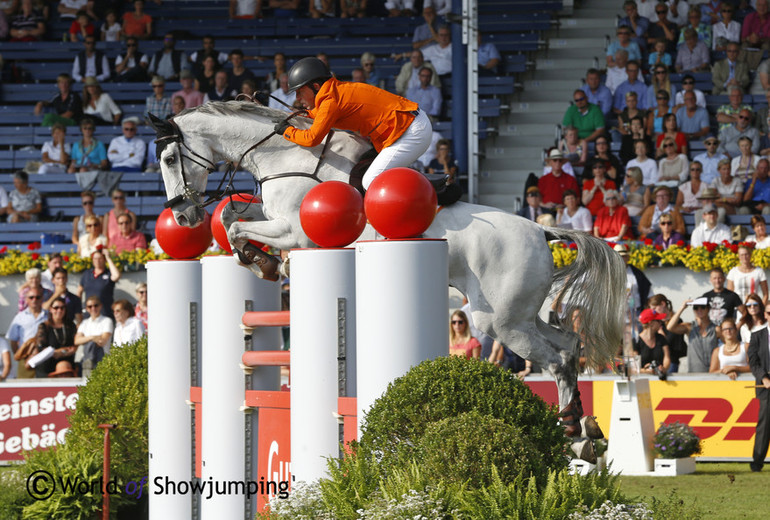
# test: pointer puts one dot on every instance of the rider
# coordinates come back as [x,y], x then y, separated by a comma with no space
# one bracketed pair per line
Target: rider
[397,128]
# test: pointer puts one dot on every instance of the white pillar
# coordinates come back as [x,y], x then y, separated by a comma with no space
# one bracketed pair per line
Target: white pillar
[323,319]
[227,287]
[173,285]
[632,427]
[401,286]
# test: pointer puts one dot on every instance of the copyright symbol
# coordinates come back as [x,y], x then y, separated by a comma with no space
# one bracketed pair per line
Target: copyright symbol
[40,485]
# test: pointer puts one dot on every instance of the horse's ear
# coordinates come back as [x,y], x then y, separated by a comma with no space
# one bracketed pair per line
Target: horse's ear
[161,126]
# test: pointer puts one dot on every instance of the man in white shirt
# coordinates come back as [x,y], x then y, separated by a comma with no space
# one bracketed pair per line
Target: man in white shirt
[408,76]
[283,94]
[126,153]
[710,230]
[46,277]
[710,160]
[95,335]
[440,54]
[90,62]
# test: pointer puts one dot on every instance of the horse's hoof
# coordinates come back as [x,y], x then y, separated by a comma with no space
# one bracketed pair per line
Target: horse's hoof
[591,427]
[268,264]
[584,450]
[285,268]
[570,419]
[572,429]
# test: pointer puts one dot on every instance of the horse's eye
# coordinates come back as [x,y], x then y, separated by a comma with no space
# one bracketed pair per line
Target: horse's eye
[170,160]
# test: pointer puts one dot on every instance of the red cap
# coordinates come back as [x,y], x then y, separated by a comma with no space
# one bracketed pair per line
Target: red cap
[649,315]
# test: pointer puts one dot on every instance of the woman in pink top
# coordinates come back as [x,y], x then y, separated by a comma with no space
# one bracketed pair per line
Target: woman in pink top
[461,343]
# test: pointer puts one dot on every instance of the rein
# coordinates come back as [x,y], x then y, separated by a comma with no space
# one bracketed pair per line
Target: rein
[193,195]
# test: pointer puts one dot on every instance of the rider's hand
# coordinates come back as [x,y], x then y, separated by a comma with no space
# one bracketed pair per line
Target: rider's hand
[281,127]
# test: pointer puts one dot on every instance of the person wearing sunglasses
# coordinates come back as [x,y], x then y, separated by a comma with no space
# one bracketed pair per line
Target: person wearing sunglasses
[87,201]
[94,337]
[132,64]
[88,154]
[58,331]
[625,43]
[636,22]
[730,136]
[662,29]
[649,222]
[729,72]
[670,131]
[668,236]
[694,55]
[688,85]
[22,331]
[673,167]
[126,152]
[696,23]
[461,343]
[584,116]
[754,319]
[728,114]
[725,29]
[93,238]
[702,334]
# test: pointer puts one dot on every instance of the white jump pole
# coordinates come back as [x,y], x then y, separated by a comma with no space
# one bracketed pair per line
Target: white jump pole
[401,285]
[229,290]
[174,296]
[323,326]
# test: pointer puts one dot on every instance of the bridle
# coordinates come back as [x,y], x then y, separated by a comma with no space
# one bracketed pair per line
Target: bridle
[189,193]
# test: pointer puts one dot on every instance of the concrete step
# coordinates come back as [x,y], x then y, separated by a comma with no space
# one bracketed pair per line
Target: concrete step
[585,22]
[543,127]
[503,201]
[568,55]
[585,42]
[503,163]
[539,107]
[575,73]
[530,117]
[514,152]
[560,95]
[565,83]
[564,64]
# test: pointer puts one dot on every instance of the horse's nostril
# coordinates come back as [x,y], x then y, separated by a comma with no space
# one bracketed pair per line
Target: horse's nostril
[182,220]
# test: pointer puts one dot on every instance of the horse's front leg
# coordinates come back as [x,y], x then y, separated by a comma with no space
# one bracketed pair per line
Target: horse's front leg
[275,233]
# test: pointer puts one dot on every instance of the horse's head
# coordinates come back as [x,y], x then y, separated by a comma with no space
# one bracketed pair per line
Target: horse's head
[185,168]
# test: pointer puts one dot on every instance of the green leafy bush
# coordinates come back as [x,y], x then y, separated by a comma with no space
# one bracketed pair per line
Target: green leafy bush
[464,449]
[13,496]
[447,387]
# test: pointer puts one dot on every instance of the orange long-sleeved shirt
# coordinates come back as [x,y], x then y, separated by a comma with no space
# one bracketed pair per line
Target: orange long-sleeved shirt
[372,112]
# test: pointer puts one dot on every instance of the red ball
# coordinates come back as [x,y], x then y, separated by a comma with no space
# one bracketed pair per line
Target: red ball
[400,203]
[182,242]
[332,214]
[218,228]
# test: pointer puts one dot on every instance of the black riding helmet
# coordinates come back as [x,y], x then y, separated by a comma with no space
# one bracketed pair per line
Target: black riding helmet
[306,71]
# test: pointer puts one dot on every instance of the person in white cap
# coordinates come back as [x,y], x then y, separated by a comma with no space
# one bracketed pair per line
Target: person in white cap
[710,230]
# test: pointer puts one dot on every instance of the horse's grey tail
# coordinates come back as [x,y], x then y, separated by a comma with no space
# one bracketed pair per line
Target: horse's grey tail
[595,284]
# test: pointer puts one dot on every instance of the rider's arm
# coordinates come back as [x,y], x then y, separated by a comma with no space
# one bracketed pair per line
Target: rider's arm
[322,123]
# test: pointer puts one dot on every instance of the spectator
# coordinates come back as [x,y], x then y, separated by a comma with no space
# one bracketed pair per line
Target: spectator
[72,304]
[206,76]
[461,343]
[534,208]
[358,75]
[594,189]
[488,57]
[672,167]
[127,240]
[27,25]
[22,331]
[98,282]
[649,222]
[443,163]
[755,34]
[352,8]
[126,152]
[440,53]
[722,301]
[321,8]
[762,79]
[239,73]
[733,133]
[646,8]
[245,9]
[128,328]
[279,67]
[56,152]
[367,65]
[754,319]
[702,335]
[553,185]
[710,230]
[654,124]
[426,95]
[111,30]
[745,163]
[140,309]
[725,30]
[602,153]
[624,42]
[88,154]
[584,116]
[660,81]
[192,97]
[633,85]
[58,331]
[662,29]
[9,7]
[110,220]
[617,73]
[701,28]
[285,8]
[400,7]
[25,203]
[66,105]
[208,50]
[612,220]
[427,33]
[68,9]
[677,11]
[81,27]
[132,66]
[670,131]
[692,119]
[138,23]
[597,93]
[87,199]
[94,337]
[678,348]
[46,277]
[169,62]
[729,190]
[762,122]
[688,85]
[177,103]
[409,74]
[730,72]
[93,239]
[648,166]
[91,63]
[573,148]
[710,160]
[756,198]
[710,11]
[99,104]
[652,346]
[693,54]
[760,237]
[668,237]
[635,196]
[634,132]
[660,57]
[688,200]
[730,358]
[159,104]
[637,284]
[572,216]
[32,279]
[283,94]
[220,92]
[7,368]
[638,24]
[746,278]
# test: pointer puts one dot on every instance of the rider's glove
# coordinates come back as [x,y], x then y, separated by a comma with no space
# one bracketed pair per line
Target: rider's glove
[281,127]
